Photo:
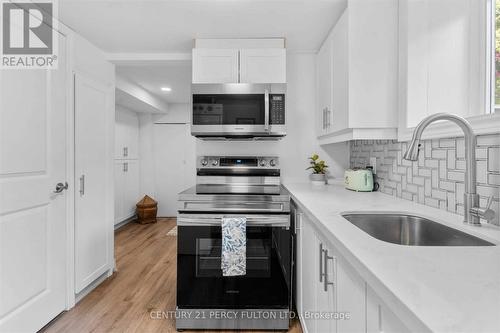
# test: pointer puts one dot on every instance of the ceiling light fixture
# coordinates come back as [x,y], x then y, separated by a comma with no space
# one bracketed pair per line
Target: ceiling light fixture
[166,89]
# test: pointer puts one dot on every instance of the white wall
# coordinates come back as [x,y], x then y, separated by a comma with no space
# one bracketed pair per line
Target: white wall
[300,142]
[147,184]
[167,156]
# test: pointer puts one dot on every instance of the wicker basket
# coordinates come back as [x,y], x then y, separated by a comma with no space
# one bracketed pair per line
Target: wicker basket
[146,210]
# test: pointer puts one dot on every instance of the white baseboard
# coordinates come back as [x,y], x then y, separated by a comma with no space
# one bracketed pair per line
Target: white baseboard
[124,222]
[93,285]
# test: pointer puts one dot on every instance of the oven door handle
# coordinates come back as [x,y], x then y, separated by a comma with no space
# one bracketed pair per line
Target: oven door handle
[215,220]
[266,110]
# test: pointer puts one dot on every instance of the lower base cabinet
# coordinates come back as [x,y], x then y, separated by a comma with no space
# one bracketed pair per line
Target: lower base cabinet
[379,318]
[331,296]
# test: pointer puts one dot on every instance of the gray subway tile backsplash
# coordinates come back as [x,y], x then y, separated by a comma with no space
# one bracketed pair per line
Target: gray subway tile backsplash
[437,178]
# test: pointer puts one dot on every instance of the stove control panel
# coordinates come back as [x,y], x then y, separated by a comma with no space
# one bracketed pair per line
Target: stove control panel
[238,162]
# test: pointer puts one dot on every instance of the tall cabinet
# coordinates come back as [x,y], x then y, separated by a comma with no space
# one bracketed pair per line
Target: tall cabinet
[126,163]
[93,89]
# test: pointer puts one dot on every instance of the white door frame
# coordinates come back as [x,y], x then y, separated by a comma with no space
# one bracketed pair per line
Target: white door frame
[70,172]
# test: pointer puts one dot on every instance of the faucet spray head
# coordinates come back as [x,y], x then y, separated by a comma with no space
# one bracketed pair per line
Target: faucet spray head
[413,150]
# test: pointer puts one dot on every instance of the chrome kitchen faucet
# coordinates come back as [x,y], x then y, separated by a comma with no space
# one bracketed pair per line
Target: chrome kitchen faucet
[472,212]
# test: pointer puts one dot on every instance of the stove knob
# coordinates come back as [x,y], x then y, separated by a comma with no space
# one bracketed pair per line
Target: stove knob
[204,162]
[215,162]
[272,163]
[263,163]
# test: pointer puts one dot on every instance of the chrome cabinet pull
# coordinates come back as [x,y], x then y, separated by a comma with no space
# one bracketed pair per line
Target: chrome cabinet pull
[324,118]
[82,184]
[298,222]
[326,258]
[321,272]
[125,167]
[125,151]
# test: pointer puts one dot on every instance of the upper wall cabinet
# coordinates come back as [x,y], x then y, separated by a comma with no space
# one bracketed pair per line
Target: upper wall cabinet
[263,66]
[215,66]
[445,65]
[357,74]
[239,61]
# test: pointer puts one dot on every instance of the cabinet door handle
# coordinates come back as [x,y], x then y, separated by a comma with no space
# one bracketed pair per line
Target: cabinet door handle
[327,283]
[328,118]
[125,167]
[298,222]
[324,118]
[321,272]
[82,184]
[125,151]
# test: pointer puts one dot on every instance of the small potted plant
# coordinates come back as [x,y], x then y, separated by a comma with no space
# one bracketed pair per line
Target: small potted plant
[318,167]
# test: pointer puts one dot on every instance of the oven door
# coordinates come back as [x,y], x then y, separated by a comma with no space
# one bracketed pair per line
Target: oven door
[200,284]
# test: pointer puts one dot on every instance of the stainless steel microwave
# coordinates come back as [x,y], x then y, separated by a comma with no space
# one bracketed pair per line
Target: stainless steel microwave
[239,111]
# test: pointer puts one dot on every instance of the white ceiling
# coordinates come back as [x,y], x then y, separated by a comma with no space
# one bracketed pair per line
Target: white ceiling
[139,26]
[173,74]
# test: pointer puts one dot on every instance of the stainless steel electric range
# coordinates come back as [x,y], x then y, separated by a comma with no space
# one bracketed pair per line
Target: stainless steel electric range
[260,299]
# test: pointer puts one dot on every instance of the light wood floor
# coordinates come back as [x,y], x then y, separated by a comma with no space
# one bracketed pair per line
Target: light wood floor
[145,282]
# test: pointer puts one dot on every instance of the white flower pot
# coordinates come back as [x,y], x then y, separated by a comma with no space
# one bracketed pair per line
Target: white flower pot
[318,179]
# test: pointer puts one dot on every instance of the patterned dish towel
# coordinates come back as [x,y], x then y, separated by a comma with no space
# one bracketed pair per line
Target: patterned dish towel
[234,246]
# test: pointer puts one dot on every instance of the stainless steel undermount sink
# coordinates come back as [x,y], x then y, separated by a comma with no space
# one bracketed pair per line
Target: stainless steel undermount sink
[411,230]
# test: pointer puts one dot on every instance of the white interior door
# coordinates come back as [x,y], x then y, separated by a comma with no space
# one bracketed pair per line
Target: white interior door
[32,217]
[175,164]
[92,228]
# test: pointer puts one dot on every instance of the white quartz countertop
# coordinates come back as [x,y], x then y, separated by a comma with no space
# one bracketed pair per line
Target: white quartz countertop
[443,289]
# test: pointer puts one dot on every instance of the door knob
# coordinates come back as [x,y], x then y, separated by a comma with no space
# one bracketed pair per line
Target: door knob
[61,187]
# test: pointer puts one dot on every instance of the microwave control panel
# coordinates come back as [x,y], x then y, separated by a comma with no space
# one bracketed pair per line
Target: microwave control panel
[277,109]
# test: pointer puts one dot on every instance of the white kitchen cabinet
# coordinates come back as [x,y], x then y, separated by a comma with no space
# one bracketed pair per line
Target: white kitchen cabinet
[308,273]
[126,189]
[215,65]
[339,112]
[263,66]
[332,78]
[119,191]
[327,284]
[256,65]
[324,75]
[314,301]
[93,156]
[437,71]
[379,318]
[357,71]
[126,134]
[351,294]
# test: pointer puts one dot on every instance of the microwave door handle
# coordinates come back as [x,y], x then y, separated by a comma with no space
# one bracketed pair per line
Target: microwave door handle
[266,110]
